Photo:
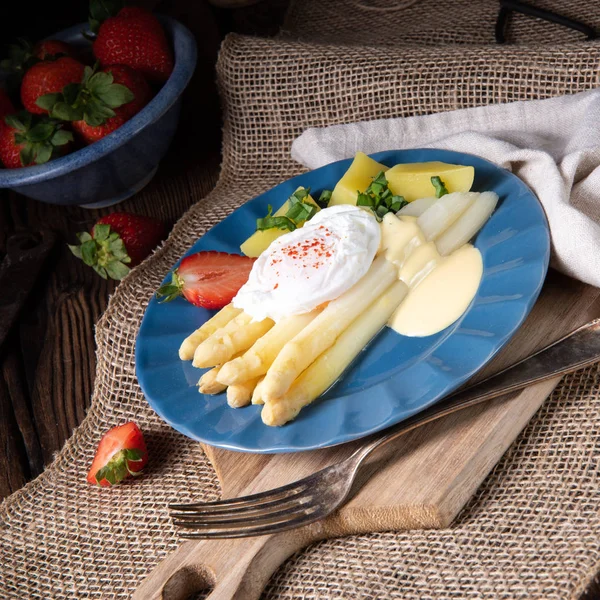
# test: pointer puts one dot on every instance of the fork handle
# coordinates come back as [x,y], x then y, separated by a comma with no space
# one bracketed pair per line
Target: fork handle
[578,349]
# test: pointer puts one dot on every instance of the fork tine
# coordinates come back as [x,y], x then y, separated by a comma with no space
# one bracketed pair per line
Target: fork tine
[269,496]
[238,532]
[247,511]
[213,522]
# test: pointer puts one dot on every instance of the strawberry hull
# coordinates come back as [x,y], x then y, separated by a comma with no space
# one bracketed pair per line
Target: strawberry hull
[123,162]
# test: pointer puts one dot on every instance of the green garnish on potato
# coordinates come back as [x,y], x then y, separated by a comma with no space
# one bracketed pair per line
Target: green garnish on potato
[379,198]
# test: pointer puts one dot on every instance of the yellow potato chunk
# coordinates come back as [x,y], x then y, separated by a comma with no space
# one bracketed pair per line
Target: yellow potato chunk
[356,179]
[259,241]
[413,180]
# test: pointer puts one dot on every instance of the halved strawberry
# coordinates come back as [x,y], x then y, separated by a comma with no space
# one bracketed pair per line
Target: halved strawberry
[208,279]
[121,453]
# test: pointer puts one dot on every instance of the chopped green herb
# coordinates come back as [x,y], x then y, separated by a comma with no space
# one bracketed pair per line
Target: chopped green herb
[324,198]
[301,211]
[379,198]
[298,212]
[440,186]
[271,222]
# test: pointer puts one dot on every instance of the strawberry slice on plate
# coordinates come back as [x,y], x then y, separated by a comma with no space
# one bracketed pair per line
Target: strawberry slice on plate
[121,453]
[208,279]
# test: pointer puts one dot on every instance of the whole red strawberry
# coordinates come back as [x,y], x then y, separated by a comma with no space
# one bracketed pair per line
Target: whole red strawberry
[48,77]
[135,38]
[27,139]
[118,242]
[137,85]
[23,55]
[208,279]
[49,49]
[6,106]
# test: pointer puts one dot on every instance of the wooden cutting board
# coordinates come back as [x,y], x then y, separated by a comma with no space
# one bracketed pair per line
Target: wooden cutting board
[420,481]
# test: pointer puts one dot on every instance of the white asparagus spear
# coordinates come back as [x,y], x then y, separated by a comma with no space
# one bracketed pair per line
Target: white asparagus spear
[238,335]
[208,383]
[322,332]
[189,345]
[468,224]
[240,394]
[328,367]
[442,213]
[260,356]
[417,207]
[257,393]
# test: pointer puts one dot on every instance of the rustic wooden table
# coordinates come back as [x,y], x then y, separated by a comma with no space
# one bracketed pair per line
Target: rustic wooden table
[47,365]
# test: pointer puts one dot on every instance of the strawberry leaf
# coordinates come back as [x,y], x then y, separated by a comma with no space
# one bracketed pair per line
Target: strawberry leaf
[65,112]
[99,82]
[40,132]
[97,114]
[117,270]
[27,155]
[101,271]
[61,138]
[76,250]
[118,250]
[84,236]
[43,154]
[87,73]
[100,10]
[170,291]
[47,101]
[20,60]
[15,122]
[101,232]
[133,455]
[116,95]
[71,92]
[89,253]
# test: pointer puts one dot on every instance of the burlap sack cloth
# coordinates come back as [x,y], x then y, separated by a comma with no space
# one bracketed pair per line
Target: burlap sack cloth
[533,529]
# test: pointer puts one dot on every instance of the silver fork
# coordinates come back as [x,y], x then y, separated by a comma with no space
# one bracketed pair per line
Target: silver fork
[314,497]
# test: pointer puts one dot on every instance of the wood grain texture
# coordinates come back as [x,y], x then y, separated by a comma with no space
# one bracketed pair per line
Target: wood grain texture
[422,480]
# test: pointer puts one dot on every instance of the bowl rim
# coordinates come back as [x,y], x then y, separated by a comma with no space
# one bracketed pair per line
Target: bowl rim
[166,97]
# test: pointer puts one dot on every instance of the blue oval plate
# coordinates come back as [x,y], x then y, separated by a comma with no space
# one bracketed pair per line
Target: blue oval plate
[395,376]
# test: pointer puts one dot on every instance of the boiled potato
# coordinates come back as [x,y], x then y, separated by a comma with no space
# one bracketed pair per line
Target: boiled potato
[413,180]
[259,241]
[356,179]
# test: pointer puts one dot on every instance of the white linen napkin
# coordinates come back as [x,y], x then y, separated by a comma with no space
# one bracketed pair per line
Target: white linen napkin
[552,145]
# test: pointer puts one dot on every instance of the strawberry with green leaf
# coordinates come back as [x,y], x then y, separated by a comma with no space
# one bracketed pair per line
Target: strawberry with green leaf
[101,102]
[118,242]
[48,77]
[27,139]
[22,55]
[121,453]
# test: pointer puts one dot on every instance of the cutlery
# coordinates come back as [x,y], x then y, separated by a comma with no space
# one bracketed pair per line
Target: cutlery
[314,497]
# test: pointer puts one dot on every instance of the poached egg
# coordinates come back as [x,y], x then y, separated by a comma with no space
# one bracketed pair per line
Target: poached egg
[311,265]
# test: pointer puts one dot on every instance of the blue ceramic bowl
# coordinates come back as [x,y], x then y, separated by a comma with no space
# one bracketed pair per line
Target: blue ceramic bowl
[123,162]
